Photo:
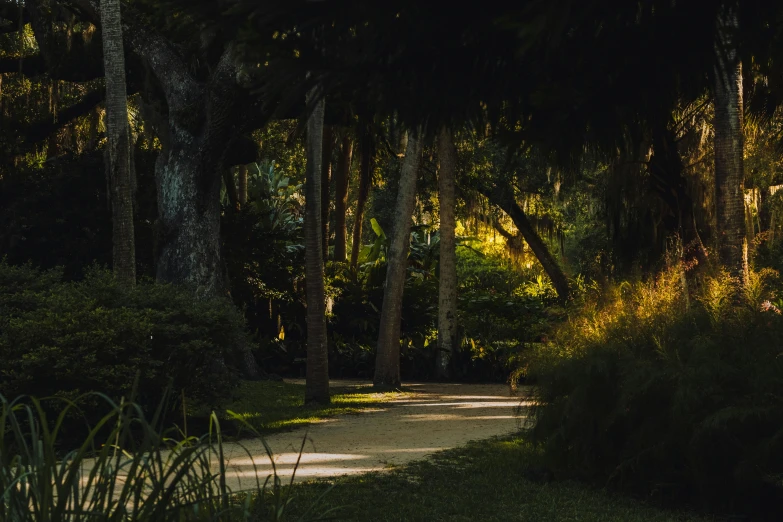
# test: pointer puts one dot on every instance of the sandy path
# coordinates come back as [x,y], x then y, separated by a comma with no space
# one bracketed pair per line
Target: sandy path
[432,418]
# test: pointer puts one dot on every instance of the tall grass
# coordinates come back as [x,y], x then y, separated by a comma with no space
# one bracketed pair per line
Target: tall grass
[124,470]
[670,392]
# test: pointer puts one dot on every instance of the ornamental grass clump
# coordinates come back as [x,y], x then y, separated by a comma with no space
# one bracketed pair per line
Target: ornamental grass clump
[123,470]
[669,392]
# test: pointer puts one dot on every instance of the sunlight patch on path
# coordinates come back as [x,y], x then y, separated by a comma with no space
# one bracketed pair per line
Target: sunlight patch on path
[433,418]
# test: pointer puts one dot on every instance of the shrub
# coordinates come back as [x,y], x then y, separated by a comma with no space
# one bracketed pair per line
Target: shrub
[672,395]
[65,339]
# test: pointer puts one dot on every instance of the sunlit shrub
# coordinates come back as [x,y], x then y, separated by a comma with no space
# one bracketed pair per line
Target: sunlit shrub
[670,393]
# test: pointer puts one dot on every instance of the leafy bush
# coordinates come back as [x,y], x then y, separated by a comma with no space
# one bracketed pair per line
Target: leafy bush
[501,313]
[673,395]
[66,339]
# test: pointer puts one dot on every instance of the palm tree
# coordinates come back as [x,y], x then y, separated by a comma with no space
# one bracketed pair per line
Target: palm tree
[117,130]
[387,362]
[365,183]
[447,296]
[341,180]
[729,169]
[242,175]
[317,386]
[326,174]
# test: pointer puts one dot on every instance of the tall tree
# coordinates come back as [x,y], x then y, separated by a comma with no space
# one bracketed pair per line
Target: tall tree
[242,174]
[326,174]
[317,386]
[387,362]
[729,168]
[365,183]
[342,178]
[447,293]
[117,130]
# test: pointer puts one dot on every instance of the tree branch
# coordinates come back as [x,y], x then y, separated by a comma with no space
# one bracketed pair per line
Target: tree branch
[42,129]
[182,92]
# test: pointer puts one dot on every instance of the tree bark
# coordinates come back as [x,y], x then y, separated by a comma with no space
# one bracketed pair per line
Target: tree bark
[447,292]
[365,183]
[387,362]
[501,196]
[118,129]
[242,174]
[317,386]
[231,188]
[342,178]
[729,167]
[326,174]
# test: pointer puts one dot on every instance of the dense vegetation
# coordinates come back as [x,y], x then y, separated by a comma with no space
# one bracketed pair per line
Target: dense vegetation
[197,196]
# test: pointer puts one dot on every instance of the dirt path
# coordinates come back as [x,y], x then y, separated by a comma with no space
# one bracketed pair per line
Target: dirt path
[431,418]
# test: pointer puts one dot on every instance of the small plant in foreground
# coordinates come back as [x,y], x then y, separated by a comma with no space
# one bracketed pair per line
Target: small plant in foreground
[133,473]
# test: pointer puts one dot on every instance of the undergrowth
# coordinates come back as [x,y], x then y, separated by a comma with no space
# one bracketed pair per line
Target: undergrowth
[670,392]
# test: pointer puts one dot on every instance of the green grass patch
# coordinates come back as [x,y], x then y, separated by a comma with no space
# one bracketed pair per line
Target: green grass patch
[484,481]
[270,406]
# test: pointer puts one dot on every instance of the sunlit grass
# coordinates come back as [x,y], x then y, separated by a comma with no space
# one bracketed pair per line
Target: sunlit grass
[270,406]
[492,480]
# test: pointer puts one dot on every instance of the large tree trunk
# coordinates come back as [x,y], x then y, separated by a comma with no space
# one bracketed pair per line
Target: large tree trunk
[342,177]
[729,168]
[326,174]
[189,217]
[365,183]
[502,197]
[447,293]
[387,362]
[317,387]
[119,163]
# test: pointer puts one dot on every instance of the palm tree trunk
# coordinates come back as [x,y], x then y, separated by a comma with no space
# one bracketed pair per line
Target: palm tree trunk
[231,188]
[342,177]
[119,164]
[387,362]
[729,168]
[317,387]
[242,184]
[326,174]
[365,183]
[502,197]
[447,293]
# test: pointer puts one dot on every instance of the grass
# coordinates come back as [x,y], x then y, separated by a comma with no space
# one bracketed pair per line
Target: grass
[481,481]
[271,406]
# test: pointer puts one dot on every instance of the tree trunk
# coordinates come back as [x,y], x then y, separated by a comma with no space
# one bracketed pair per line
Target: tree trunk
[231,188]
[189,217]
[387,362]
[447,294]
[242,184]
[326,174]
[342,177]
[502,197]
[317,387]
[365,183]
[117,129]
[729,168]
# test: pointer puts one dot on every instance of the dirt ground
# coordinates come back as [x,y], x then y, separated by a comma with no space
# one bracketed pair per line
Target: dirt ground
[431,418]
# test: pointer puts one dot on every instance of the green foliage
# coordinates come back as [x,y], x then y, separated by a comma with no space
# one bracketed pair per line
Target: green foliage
[501,313]
[133,472]
[673,395]
[65,339]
